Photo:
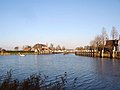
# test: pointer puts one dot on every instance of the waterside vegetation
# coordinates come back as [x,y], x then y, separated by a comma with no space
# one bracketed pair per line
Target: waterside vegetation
[38,82]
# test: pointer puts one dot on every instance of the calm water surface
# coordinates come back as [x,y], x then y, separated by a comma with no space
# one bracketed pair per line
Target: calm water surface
[92,73]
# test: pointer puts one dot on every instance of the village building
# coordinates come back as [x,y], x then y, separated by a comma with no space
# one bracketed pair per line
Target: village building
[40,47]
[27,48]
[118,47]
[111,45]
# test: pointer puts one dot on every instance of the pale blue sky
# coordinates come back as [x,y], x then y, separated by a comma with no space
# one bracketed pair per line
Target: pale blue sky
[70,23]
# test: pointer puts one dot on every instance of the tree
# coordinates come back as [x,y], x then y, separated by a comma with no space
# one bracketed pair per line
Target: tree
[114,33]
[16,48]
[104,36]
[79,48]
[92,43]
[3,51]
[0,49]
[63,48]
[51,47]
[58,47]
[98,40]
[96,43]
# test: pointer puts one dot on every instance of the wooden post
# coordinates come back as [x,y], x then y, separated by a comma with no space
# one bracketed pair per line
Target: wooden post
[102,54]
[114,52]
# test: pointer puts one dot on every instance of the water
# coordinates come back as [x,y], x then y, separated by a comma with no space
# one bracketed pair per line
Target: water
[91,73]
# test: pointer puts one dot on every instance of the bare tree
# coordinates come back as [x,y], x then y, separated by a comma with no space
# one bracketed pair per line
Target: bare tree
[98,40]
[51,47]
[0,49]
[63,48]
[16,48]
[104,36]
[58,47]
[114,33]
[92,43]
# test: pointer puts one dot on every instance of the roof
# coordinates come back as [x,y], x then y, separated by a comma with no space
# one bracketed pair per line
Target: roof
[111,43]
[39,45]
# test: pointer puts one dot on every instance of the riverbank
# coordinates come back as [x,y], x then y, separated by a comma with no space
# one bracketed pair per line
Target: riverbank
[29,52]
[16,52]
[94,53]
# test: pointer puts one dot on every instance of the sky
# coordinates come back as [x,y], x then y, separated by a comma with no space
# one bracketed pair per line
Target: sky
[69,23]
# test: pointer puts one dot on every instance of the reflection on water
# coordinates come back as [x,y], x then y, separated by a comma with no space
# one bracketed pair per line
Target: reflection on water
[92,73]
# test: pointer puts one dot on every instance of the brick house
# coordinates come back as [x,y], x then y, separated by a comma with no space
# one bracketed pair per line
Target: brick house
[111,45]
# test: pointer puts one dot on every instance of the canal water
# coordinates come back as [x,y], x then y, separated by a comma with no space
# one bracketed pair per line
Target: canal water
[91,73]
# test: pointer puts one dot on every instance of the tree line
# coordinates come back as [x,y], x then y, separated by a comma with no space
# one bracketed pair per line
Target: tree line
[100,40]
[51,47]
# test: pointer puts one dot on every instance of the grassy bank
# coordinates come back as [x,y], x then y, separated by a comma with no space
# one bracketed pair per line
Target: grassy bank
[27,52]
[8,52]
[37,82]
[18,52]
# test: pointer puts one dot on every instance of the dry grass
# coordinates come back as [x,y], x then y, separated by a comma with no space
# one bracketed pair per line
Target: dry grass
[37,82]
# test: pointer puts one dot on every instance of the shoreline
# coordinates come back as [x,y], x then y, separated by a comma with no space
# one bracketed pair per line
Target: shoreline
[94,54]
[5,53]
